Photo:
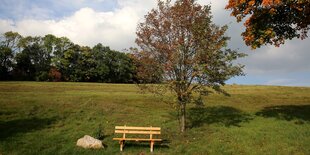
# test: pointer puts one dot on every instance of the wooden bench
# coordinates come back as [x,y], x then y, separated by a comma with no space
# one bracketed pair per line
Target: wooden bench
[138,131]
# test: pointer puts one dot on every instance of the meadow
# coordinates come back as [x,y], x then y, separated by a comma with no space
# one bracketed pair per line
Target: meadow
[48,118]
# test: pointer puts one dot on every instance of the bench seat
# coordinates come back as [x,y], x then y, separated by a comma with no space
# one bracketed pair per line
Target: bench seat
[137,131]
[137,139]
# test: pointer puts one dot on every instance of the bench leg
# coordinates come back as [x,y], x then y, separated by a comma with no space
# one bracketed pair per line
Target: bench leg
[122,142]
[152,145]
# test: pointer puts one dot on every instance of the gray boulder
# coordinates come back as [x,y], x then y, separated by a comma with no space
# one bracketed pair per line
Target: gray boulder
[89,142]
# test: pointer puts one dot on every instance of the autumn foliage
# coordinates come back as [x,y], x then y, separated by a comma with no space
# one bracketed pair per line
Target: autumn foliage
[180,46]
[271,21]
[54,75]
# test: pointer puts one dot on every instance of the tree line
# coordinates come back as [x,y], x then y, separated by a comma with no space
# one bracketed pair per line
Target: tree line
[52,58]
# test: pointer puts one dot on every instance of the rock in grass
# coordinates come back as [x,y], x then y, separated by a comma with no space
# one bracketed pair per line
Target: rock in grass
[89,142]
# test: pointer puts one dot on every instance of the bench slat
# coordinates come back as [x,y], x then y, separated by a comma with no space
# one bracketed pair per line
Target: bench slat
[136,128]
[137,139]
[138,132]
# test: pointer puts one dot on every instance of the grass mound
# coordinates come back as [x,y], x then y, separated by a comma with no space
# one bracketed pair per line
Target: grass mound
[48,118]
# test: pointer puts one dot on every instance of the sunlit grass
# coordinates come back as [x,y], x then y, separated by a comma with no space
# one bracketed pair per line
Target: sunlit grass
[48,118]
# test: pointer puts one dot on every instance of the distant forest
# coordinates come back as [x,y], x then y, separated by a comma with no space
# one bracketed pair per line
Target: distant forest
[50,58]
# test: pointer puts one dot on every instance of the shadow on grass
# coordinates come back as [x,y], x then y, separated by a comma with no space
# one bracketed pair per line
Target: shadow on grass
[6,113]
[10,128]
[145,146]
[228,116]
[287,112]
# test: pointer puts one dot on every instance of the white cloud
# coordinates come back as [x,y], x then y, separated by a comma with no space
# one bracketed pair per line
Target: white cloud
[292,57]
[85,27]
[88,27]
[6,25]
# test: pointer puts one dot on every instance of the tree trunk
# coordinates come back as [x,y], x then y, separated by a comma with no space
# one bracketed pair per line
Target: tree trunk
[183,118]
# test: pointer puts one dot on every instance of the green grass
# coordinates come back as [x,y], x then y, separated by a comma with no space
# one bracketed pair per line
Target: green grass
[48,118]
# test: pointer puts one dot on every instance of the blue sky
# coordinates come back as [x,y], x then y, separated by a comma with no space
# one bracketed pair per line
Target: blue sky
[113,23]
[50,9]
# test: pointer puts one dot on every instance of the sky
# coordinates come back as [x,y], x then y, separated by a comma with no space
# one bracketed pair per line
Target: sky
[113,23]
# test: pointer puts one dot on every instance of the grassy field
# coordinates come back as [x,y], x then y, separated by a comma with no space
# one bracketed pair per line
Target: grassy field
[48,118]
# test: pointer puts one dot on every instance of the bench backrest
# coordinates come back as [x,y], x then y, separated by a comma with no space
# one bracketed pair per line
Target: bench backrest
[137,130]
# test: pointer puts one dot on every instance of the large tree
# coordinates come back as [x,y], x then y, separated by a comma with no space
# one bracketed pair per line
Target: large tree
[8,48]
[11,40]
[6,56]
[271,21]
[34,59]
[180,44]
